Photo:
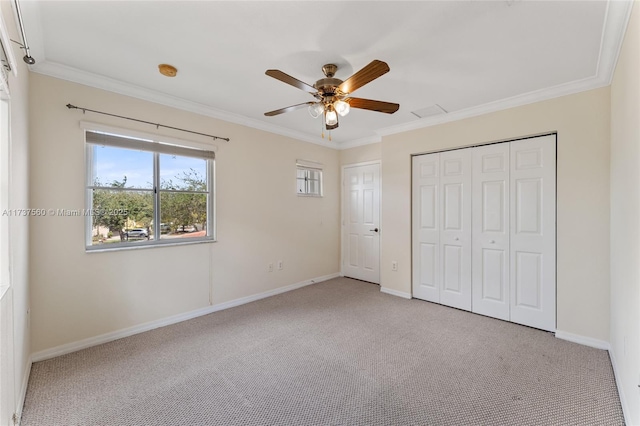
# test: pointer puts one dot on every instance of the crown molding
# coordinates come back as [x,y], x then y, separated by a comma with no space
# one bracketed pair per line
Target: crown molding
[502,104]
[614,27]
[85,78]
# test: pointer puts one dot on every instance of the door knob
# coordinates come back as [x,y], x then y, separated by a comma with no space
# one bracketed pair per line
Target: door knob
[374,230]
[456,239]
[492,242]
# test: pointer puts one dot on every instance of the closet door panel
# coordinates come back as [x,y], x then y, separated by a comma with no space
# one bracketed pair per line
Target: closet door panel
[490,240]
[533,232]
[455,230]
[426,227]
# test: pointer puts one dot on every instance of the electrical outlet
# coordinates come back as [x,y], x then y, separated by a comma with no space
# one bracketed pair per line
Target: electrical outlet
[280,265]
[270,267]
[394,265]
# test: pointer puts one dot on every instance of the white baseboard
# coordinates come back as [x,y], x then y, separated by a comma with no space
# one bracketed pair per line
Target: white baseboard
[141,328]
[583,340]
[621,394]
[23,390]
[395,292]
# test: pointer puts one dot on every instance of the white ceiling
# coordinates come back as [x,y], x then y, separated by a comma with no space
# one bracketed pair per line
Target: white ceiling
[469,57]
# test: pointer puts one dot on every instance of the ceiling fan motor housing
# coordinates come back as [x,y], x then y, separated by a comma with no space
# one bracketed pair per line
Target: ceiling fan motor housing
[328,86]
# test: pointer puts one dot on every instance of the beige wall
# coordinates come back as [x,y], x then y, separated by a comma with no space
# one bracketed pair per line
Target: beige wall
[19,199]
[625,219]
[582,123]
[361,154]
[260,220]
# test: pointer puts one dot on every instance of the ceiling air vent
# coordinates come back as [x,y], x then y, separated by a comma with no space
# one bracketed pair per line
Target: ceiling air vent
[429,111]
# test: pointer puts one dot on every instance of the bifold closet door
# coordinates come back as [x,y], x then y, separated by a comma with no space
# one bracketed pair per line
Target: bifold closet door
[455,228]
[490,238]
[442,228]
[426,228]
[484,230]
[533,232]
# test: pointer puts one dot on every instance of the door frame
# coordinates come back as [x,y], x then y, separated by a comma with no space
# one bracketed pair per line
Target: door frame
[342,226]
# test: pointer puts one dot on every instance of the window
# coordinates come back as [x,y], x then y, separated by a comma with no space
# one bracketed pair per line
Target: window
[142,192]
[309,178]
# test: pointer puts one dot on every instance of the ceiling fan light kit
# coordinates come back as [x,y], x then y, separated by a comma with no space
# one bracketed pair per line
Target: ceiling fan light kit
[316,109]
[332,94]
[331,117]
[342,107]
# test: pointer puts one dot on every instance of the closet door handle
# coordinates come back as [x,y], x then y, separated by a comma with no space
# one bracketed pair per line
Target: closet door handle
[492,242]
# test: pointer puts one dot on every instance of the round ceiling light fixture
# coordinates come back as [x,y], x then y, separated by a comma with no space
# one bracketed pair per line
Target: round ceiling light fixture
[167,70]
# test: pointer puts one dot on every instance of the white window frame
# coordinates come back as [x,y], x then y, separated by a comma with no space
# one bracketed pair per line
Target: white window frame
[309,167]
[7,67]
[156,145]
[5,218]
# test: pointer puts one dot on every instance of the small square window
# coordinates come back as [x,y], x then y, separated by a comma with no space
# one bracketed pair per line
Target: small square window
[309,179]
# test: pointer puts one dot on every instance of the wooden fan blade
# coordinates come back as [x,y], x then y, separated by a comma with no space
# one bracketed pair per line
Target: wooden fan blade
[367,74]
[287,109]
[380,106]
[286,78]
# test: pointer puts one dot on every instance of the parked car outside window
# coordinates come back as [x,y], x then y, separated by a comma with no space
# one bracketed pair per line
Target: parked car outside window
[137,233]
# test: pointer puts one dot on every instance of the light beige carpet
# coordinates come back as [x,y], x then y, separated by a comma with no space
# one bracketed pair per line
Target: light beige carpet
[334,353]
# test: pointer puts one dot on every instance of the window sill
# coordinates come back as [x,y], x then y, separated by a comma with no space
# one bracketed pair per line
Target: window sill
[134,246]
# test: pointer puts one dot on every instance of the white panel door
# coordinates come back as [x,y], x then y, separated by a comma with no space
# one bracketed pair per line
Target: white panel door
[533,232]
[490,239]
[361,221]
[426,228]
[455,228]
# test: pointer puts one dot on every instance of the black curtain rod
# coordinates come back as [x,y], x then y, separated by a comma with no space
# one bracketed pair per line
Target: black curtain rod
[146,122]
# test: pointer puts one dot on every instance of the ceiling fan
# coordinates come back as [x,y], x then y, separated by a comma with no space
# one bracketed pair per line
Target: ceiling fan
[333,95]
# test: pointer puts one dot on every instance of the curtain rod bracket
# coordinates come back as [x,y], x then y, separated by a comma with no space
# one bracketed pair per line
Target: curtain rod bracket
[158,125]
